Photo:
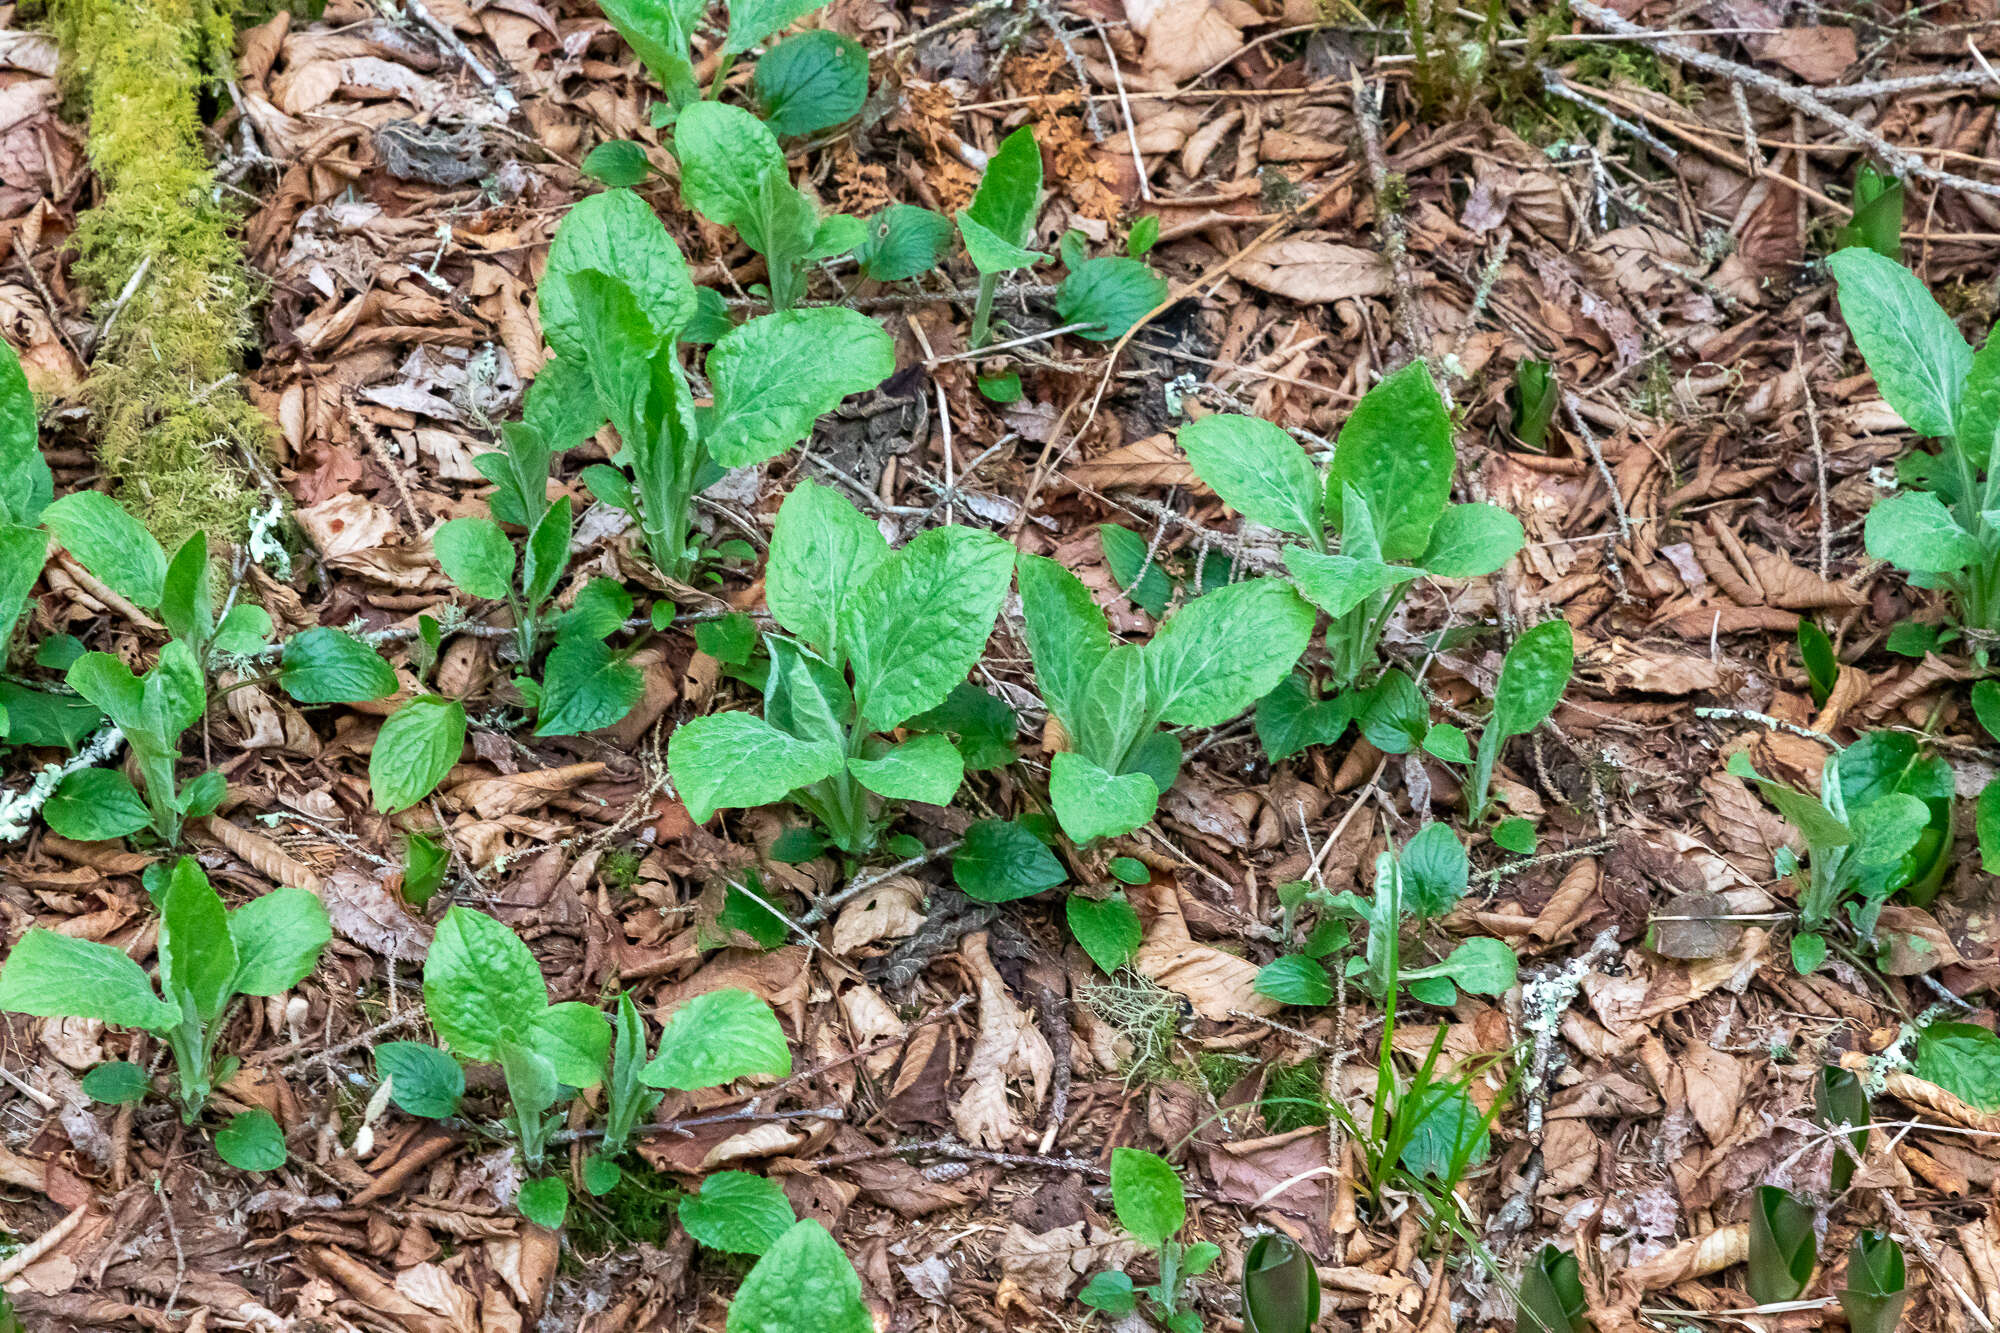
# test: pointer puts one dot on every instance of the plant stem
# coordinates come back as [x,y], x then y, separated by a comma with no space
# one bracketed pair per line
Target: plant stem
[721,75]
[982,314]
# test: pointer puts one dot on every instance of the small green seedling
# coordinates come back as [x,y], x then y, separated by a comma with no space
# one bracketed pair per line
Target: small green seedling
[1108,294]
[1876,1289]
[619,163]
[1208,662]
[1551,1298]
[999,224]
[811,82]
[733,173]
[26,487]
[487,1000]
[1783,1247]
[1534,397]
[659,33]
[152,711]
[424,865]
[1422,883]
[1146,1194]
[616,296]
[208,954]
[1877,223]
[1387,495]
[628,1101]
[803,1281]
[1533,676]
[1280,1287]
[1986,812]
[737,1213]
[878,637]
[1881,822]
[1821,662]
[903,241]
[1941,529]
[1840,1104]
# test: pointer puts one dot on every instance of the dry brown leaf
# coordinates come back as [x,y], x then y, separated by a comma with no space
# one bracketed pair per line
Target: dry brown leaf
[1317,272]
[1219,985]
[887,911]
[1816,54]
[1719,1249]
[262,855]
[1009,1049]
[1185,37]
[1153,461]
[363,910]
[517,793]
[1715,1083]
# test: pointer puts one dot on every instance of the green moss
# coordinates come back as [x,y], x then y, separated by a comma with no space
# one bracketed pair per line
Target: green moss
[1220,1070]
[1295,1096]
[642,1207]
[170,422]
[620,867]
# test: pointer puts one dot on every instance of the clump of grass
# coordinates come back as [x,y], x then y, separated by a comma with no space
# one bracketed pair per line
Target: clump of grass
[170,421]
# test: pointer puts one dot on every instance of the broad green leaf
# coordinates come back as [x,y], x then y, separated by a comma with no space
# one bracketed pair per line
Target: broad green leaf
[481,985]
[737,1213]
[563,414]
[1001,861]
[1885,830]
[1258,470]
[1146,1194]
[619,163]
[716,1038]
[585,686]
[1962,1058]
[1876,1291]
[1111,295]
[41,717]
[751,21]
[545,1202]
[1877,224]
[1515,835]
[821,548]
[983,725]
[778,374]
[600,609]
[805,698]
[197,953]
[575,1038]
[1986,822]
[246,628]
[1448,1128]
[1114,713]
[108,683]
[278,940]
[1336,584]
[1111,1292]
[187,598]
[173,695]
[21,552]
[57,976]
[547,554]
[1821,828]
[1435,870]
[615,232]
[25,484]
[924,768]
[1066,633]
[1281,1287]
[325,666]
[199,796]
[726,155]
[1913,531]
[423,1080]
[1009,194]
[111,544]
[415,748]
[93,804]
[811,82]
[1448,742]
[1392,713]
[1125,554]
[1396,451]
[1225,650]
[1091,803]
[735,760]
[116,1082]
[1479,966]
[476,556]
[916,627]
[1533,675]
[1108,928]
[1783,1247]
[251,1141]
[803,1284]
[989,253]
[903,241]
[1289,719]
[658,33]
[1295,979]
[1917,354]
[1471,541]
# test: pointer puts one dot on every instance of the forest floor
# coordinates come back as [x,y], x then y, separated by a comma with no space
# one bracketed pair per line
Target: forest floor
[1330,207]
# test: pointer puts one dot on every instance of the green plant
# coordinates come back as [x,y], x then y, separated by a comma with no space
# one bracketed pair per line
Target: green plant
[1207,662]
[1877,223]
[616,296]
[659,32]
[1386,494]
[487,1000]
[1280,1287]
[1533,676]
[1146,1194]
[1110,293]
[1940,529]
[879,638]
[1876,1293]
[1840,1104]
[1881,822]
[1533,397]
[26,487]
[208,955]
[999,224]
[1783,1247]
[628,1101]
[733,173]
[903,241]
[1422,883]
[1821,662]
[737,1213]
[803,1281]
[1551,1299]
[811,82]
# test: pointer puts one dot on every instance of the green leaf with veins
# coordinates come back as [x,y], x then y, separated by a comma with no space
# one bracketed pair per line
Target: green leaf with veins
[1225,650]
[779,373]
[716,1038]
[1067,635]
[1914,531]
[1471,541]
[615,232]
[1108,928]
[1001,861]
[923,768]
[1091,803]
[736,760]
[803,1282]
[751,21]
[58,976]
[915,628]
[737,1213]
[1258,470]
[811,82]
[1917,354]
[481,985]
[1396,451]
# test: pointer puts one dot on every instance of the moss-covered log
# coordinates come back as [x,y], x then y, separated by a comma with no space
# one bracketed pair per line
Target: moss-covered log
[171,423]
